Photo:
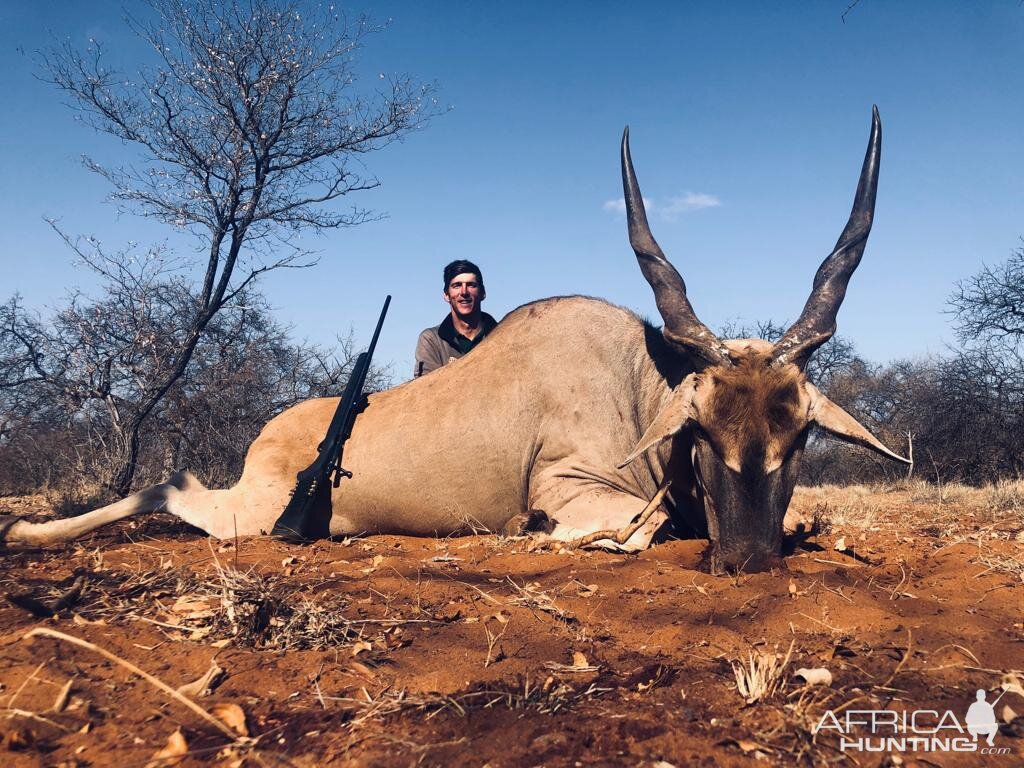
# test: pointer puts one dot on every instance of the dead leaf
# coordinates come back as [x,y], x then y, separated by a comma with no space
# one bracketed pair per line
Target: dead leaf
[232,716]
[231,758]
[792,588]
[172,753]
[746,745]
[816,676]
[361,646]
[362,669]
[840,544]
[205,684]
[1008,715]
[190,608]
[377,560]
[579,660]
[18,740]
[290,560]
[1010,682]
[221,643]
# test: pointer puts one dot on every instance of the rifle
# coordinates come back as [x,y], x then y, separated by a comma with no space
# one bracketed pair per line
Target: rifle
[299,523]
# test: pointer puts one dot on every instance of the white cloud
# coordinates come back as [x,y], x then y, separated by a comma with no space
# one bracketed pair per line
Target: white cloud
[671,207]
[690,201]
[619,206]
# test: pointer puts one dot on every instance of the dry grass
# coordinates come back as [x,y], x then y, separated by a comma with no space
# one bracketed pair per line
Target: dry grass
[249,608]
[922,491]
[533,596]
[950,505]
[988,516]
[550,697]
[852,506]
[1005,496]
[1012,564]
[762,675]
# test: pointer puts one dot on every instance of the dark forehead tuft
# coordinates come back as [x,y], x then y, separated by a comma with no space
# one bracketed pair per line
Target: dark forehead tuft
[754,389]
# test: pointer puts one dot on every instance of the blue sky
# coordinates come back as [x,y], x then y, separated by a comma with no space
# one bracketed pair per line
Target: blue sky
[748,125]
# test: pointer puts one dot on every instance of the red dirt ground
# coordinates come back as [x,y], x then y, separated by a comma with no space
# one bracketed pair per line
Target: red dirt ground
[478,651]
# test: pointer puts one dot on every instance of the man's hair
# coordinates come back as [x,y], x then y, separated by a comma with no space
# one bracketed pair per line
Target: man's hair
[458,267]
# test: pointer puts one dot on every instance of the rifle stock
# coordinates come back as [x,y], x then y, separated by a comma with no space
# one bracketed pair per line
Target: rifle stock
[307,515]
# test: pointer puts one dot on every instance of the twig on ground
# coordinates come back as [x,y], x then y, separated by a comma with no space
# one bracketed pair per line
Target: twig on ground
[621,537]
[34,716]
[155,682]
[903,661]
[29,679]
[45,610]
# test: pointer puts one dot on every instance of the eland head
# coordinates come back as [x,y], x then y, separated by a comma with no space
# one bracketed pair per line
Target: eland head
[748,407]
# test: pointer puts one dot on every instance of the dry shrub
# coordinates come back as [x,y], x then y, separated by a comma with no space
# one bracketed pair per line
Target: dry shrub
[1005,496]
[841,506]
[893,486]
[270,612]
[249,608]
[76,496]
[941,493]
[835,494]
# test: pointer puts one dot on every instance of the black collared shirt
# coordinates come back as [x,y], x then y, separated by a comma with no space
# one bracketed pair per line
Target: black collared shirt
[441,344]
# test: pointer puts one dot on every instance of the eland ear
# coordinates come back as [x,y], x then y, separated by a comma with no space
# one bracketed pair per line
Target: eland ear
[839,423]
[670,419]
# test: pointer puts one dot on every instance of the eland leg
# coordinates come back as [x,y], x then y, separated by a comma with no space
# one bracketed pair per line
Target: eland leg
[603,509]
[182,495]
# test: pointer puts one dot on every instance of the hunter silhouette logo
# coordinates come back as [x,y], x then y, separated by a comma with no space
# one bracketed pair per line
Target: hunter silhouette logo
[920,730]
[981,717]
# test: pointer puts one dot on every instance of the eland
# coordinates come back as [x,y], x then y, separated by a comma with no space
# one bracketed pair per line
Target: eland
[573,412]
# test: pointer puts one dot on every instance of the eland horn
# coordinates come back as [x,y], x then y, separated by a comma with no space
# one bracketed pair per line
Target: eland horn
[681,324]
[817,322]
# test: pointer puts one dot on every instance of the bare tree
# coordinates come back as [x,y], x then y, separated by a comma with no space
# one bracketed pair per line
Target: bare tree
[834,357]
[245,127]
[988,307]
[69,383]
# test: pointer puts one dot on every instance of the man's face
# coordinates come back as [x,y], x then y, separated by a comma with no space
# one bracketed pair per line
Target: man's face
[464,294]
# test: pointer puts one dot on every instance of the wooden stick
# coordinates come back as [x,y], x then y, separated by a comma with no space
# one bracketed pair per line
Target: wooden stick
[156,683]
[29,679]
[621,537]
[34,716]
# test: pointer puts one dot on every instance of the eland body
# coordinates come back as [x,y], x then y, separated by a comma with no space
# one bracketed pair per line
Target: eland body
[572,407]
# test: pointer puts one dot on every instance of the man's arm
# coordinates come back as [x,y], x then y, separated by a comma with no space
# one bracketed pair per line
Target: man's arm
[429,354]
